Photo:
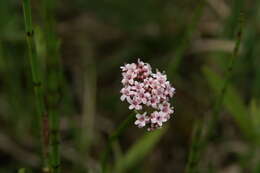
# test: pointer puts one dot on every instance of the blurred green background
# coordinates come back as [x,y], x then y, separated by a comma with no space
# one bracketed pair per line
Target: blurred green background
[191,40]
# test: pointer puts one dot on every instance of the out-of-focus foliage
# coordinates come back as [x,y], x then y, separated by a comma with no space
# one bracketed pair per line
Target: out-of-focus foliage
[96,38]
[137,153]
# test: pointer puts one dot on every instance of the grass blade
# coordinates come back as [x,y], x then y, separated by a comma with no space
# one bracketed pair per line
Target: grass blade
[139,150]
[232,100]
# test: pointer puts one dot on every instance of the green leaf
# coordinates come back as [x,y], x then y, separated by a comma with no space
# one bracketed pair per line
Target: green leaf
[139,150]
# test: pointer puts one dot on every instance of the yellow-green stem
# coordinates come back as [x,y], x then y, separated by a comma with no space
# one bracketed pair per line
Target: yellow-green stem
[37,81]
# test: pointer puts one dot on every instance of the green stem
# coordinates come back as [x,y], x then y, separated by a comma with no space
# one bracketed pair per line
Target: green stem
[176,61]
[194,153]
[89,76]
[53,82]
[114,136]
[199,141]
[37,81]
[229,74]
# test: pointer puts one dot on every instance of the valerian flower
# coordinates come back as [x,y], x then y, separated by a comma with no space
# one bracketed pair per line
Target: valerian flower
[147,92]
[141,120]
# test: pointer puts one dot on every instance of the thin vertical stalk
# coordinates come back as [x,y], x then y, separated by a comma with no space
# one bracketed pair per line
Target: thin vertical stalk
[89,103]
[229,74]
[199,141]
[176,61]
[53,82]
[195,149]
[37,82]
[89,77]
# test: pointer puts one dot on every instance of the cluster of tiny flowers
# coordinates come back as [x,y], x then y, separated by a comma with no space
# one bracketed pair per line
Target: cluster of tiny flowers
[147,92]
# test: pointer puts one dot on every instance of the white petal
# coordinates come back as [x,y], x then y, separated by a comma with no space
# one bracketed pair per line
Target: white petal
[153,120]
[138,116]
[142,124]
[131,107]
[122,98]
[159,123]
[129,100]
[138,107]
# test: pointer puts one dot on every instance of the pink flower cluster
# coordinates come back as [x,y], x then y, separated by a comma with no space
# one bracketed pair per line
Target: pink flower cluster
[147,92]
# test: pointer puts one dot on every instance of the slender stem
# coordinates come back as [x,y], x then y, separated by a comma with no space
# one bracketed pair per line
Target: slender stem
[195,149]
[114,136]
[37,81]
[176,61]
[229,74]
[89,76]
[199,141]
[53,83]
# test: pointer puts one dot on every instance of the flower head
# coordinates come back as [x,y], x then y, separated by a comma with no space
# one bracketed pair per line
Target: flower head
[147,92]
